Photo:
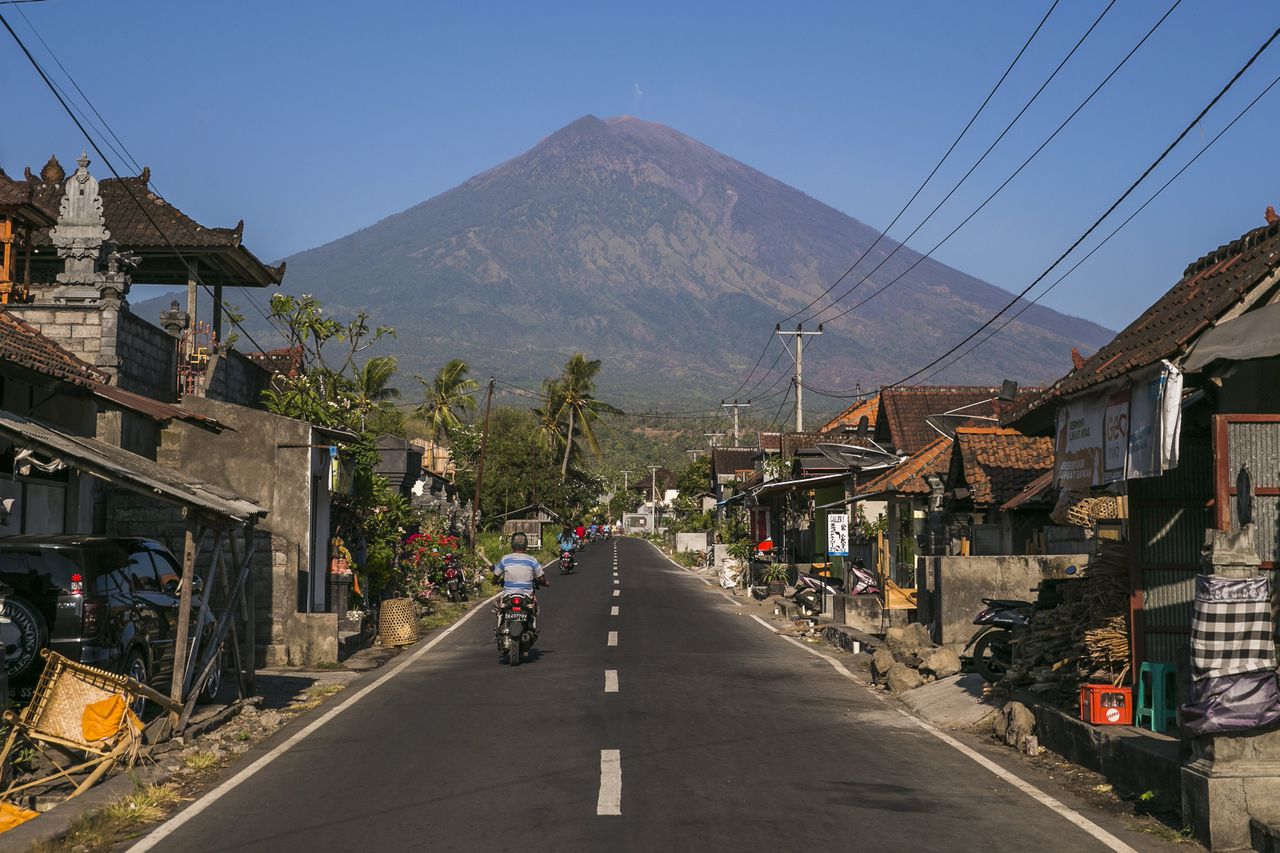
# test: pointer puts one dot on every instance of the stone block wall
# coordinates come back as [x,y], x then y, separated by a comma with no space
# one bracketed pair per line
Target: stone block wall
[235,378]
[148,358]
[76,328]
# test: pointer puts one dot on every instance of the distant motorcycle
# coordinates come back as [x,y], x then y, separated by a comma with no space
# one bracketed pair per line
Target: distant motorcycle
[566,562]
[455,582]
[992,644]
[517,626]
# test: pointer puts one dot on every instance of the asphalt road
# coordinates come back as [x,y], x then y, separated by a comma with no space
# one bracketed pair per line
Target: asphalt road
[726,738]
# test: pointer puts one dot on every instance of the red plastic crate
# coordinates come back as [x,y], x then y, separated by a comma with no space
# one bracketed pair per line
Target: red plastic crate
[1104,705]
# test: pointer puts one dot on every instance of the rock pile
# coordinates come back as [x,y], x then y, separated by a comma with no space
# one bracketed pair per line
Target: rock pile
[909,658]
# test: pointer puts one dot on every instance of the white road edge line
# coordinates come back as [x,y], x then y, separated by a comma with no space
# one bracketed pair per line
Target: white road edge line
[613,638]
[610,681]
[1070,814]
[613,611]
[170,826]
[610,800]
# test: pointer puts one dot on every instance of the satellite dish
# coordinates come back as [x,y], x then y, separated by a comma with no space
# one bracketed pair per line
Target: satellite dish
[869,457]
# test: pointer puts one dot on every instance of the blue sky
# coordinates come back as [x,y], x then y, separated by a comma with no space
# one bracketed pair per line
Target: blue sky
[311,124]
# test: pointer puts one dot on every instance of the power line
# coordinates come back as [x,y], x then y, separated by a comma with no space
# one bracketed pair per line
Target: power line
[1163,154]
[969,124]
[111,167]
[1107,239]
[1007,180]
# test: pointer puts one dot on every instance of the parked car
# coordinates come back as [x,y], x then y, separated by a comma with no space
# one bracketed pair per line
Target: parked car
[107,602]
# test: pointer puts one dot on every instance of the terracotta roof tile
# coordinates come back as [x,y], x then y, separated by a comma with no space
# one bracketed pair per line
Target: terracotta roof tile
[731,460]
[910,477]
[996,463]
[23,345]
[903,411]
[1039,493]
[1208,289]
[868,408]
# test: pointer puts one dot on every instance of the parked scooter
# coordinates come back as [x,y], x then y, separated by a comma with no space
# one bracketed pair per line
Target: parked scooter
[810,589]
[566,562]
[517,625]
[455,582]
[992,644]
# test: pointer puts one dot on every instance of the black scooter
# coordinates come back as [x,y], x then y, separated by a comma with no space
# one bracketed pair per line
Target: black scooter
[566,562]
[992,644]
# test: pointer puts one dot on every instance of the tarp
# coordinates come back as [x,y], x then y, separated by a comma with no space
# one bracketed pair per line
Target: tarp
[1252,335]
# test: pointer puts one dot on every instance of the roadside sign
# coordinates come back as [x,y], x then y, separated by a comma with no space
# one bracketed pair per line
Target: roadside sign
[837,534]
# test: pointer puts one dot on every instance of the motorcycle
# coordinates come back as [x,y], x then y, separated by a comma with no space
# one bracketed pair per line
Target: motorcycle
[992,644]
[517,629]
[566,562]
[455,583]
[810,589]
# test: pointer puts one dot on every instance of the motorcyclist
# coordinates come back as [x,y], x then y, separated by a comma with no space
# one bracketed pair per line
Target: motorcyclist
[580,532]
[520,573]
[564,541]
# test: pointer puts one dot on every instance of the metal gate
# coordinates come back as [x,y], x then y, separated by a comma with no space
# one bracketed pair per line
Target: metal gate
[1249,442]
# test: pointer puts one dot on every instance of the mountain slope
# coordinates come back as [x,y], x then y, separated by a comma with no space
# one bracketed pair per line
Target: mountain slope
[668,260]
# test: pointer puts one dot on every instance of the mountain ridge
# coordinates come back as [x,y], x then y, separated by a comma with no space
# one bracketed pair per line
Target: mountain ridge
[667,259]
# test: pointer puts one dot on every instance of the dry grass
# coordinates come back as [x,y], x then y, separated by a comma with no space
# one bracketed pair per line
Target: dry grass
[106,827]
[200,760]
[443,614]
[314,695]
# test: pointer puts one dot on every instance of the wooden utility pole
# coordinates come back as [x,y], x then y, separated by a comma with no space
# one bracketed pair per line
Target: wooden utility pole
[190,545]
[484,443]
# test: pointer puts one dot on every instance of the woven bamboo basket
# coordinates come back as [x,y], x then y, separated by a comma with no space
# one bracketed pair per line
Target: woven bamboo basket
[397,622]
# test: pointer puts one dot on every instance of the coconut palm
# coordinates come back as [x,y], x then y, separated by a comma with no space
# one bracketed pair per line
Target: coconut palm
[374,378]
[448,395]
[574,396]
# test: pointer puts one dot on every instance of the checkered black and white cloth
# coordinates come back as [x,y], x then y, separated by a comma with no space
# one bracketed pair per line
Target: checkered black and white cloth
[1231,629]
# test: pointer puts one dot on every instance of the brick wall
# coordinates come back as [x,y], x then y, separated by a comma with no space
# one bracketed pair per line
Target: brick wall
[148,358]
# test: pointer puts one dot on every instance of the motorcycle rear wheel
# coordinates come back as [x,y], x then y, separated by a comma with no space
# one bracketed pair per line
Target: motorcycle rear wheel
[989,663]
[513,655]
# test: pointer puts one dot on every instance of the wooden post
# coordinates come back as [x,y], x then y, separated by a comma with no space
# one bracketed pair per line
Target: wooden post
[250,657]
[484,441]
[217,314]
[192,284]
[193,647]
[189,545]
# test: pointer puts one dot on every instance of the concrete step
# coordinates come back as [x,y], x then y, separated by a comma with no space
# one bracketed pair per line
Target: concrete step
[1264,835]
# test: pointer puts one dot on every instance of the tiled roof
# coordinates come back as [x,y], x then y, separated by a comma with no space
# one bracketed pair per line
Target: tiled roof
[17,198]
[141,221]
[793,441]
[910,477]
[868,408]
[903,411]
[731,460]
[1210,287]
[997,463]
[1036,494]
[771,442]
[23,345]
[285,362]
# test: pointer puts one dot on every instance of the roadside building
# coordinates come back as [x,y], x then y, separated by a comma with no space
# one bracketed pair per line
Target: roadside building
[989,467]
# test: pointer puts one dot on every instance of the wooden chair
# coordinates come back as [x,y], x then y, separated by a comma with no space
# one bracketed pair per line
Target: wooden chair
[53,723]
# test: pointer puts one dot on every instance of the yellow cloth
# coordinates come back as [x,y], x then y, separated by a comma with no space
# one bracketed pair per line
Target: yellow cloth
[102,720]
[12,816]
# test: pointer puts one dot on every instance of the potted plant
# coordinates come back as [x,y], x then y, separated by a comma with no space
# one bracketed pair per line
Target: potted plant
[774,577]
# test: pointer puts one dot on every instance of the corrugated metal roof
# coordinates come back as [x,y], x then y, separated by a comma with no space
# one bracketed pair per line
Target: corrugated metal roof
[127,469]
[151,408]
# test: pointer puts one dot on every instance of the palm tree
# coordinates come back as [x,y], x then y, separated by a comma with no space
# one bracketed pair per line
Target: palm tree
[574,396]
[373,380]
[447,396]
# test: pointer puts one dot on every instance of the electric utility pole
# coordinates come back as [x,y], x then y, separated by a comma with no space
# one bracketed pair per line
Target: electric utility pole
[798,358]
[625,484]
[711,438]
[735,405]
[653,511]
[484,442]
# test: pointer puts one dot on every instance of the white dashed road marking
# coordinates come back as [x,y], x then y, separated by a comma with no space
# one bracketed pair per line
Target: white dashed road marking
[610,799]
[617,592]
[613,611]
[610,681]
[613,638]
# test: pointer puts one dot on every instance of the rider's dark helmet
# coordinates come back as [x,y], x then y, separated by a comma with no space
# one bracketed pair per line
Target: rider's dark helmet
[519,541]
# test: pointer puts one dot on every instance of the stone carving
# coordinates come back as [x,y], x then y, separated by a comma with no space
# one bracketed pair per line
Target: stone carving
[80,238]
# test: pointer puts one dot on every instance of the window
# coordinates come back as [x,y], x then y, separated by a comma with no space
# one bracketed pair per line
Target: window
[170,571]
[142,572]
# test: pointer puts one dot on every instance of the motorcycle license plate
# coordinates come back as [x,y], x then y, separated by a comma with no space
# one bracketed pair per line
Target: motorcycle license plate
[515,617]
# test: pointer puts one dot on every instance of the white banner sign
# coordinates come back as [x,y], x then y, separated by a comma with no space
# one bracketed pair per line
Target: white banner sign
[837,534]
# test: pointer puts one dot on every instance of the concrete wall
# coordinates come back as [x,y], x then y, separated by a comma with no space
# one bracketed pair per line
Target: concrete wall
[267,458]
[148,359]
[693,541]
[235,378]
[949,590]
[76,328]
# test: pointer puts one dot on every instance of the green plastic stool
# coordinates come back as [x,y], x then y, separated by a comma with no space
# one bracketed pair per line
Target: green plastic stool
[1157,705]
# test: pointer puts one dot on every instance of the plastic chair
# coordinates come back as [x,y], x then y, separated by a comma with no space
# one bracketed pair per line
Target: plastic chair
[1157,705]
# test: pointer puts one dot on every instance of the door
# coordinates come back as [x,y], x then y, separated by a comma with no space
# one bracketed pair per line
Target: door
[157,611]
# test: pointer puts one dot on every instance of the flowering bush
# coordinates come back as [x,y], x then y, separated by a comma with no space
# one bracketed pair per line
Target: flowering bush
[423,563]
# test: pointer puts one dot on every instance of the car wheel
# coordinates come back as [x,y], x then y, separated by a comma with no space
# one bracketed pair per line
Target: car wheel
[24,633]
[213,683]
[135,666]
